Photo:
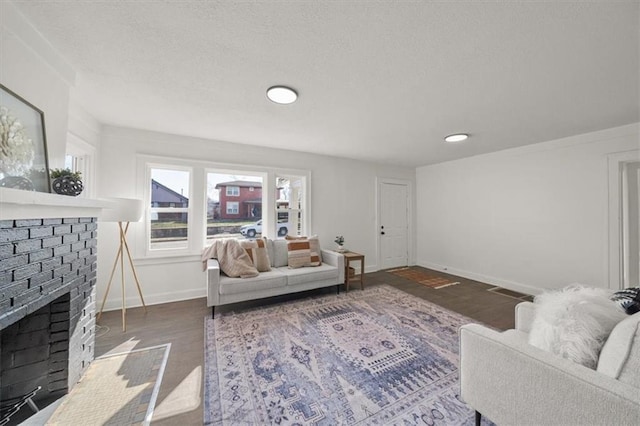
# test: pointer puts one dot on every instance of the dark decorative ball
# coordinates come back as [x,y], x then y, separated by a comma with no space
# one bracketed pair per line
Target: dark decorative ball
[17,182]
[67,185]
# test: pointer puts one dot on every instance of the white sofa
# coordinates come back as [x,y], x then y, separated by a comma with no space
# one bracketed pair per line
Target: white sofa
[223,290]
[513,383]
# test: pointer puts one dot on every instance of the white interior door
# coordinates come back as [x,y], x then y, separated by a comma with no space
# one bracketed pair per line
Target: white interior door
[394,225]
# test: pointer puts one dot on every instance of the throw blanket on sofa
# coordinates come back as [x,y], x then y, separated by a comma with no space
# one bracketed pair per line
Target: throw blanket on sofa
[233,259]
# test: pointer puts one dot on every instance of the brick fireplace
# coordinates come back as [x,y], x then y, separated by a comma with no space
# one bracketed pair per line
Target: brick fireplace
[47,304]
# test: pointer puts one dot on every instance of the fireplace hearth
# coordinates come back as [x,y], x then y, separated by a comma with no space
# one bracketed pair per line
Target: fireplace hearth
[47,305]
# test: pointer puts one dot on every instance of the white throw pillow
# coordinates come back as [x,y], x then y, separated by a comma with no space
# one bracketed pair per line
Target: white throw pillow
[574,322]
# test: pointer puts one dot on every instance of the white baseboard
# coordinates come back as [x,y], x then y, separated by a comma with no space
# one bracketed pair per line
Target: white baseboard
[152,299]
[370,268]
[499,282]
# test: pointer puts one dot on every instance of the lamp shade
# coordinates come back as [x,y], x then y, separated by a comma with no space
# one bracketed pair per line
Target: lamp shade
[122,210]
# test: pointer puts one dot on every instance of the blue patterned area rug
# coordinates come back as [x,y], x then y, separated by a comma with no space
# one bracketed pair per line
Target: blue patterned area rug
[373,357]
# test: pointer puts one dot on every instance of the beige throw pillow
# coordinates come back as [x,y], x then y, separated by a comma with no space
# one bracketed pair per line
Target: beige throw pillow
[314,248]
[257,251]
[299,253]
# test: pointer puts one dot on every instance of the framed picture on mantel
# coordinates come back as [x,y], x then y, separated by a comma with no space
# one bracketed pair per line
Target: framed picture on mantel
[23,144]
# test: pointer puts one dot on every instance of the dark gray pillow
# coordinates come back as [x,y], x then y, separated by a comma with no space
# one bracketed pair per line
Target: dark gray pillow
[628,299]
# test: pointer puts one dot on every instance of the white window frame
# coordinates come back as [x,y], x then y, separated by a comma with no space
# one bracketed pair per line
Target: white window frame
[236,210]
[191,246]
[304,208]
[197,210]
[235,192]
[83,154]
[242,170]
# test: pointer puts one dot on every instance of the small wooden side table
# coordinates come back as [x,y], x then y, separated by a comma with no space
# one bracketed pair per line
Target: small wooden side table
[349,257]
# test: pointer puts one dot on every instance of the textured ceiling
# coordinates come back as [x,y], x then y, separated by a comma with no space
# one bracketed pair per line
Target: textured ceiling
[382,81]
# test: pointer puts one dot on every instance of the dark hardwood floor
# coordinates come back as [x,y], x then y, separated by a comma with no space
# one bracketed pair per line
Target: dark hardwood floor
[182,325]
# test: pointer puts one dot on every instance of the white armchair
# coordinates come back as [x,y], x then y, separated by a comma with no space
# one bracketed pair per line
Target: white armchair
[511,382]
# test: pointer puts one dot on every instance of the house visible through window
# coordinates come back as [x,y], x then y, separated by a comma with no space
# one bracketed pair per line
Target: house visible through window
[234,204]
[169,208]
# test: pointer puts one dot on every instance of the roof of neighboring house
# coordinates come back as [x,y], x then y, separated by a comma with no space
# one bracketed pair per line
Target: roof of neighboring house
[243,183]
[163,194]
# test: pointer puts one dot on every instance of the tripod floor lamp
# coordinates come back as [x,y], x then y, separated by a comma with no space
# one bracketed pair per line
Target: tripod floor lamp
[124,211]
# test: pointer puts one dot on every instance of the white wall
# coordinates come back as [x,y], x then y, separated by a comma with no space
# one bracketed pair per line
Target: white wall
[82,125]
[343,191]
[83,140]
[31,68]
[527,219]
[343,202]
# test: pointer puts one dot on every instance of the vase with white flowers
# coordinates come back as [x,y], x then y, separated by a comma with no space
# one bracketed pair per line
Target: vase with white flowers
[340,242]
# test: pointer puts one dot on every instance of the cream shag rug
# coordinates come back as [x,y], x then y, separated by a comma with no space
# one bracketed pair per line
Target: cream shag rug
[118,389]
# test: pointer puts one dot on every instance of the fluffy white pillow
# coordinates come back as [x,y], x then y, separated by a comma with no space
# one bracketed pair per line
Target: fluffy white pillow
[574,322]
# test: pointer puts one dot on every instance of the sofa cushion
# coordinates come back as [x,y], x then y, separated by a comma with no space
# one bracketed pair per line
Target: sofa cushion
[265,280]
[630,372]
[278,253]
[257,251]
[306,275]
[299,252]
[574,323]
[314,247]
[620,356]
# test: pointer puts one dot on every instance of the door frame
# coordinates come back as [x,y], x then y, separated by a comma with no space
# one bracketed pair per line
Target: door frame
[410,228]
[615,247]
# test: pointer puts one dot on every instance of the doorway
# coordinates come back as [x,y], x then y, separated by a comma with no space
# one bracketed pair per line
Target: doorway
[631,224]
[393,223]
[624,219]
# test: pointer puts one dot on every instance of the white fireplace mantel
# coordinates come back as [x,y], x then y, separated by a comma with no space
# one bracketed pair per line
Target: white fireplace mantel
[18,204]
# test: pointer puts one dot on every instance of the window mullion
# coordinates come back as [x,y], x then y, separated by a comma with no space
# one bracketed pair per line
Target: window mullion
[197,210]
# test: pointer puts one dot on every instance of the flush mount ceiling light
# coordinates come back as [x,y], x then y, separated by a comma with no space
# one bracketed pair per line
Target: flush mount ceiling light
[456,137]
[282,95]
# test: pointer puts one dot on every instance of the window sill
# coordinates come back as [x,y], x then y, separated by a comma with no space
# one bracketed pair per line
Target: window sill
[167,259]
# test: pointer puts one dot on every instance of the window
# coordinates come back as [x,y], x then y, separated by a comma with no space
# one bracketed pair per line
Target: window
[290,205]
[230,214]
[79,158]
[188,206]
[169,208]
[232,207]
